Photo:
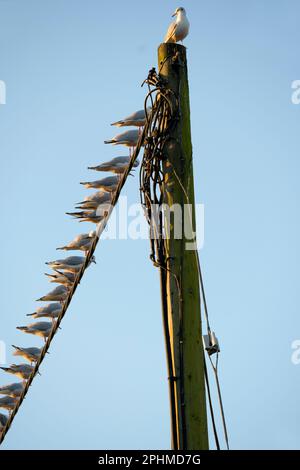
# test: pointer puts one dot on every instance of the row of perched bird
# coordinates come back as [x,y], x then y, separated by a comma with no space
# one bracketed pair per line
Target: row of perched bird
[64,271]
[92,209]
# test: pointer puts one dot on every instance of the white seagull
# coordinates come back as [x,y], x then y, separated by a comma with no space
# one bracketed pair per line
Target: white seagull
[100,211]
[71,264]
[59,294]
[82,242]
[109,183]
[93,201]
[23,371]
[127,138]
[179,29]
[49,311]
[12,390]
[117,165]
[94,216]
[137,119]
[31,354]
[99,197]
[65,279]
[41,328]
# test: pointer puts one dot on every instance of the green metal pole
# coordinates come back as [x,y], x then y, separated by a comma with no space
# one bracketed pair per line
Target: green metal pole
[182,279]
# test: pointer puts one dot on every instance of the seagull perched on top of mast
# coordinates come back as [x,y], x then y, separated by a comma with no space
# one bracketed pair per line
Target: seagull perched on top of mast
[179,29]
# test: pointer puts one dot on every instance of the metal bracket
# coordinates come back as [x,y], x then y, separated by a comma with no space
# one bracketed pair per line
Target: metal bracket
[211,343]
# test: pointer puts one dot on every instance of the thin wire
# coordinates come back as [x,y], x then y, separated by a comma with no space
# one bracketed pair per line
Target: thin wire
[197,253]
[211,406]
[215,369]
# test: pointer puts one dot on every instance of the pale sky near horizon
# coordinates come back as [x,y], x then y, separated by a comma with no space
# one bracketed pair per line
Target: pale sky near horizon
[71,68]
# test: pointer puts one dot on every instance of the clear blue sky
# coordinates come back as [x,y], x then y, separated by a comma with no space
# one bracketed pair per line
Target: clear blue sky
[71,68]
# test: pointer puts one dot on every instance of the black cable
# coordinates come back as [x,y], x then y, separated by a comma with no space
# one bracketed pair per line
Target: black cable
[170,366]
[151,180]
[211,406]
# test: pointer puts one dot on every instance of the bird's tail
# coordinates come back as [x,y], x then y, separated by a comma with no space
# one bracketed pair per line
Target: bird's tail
[61,273]
[118,123]
[94,167]
[81,202]
[6,369]
[86,203]
[77,215]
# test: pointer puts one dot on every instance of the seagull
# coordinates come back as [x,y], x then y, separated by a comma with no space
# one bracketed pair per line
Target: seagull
[49,311]
[109,183]
[65,279]
[116,165]
[94,216]
[93,201]
[127,138]
[137,119]
[59,294]
[99,197]
[23,371]
[12,390]
[71,264]
[41,328]
[82,242]
[87,205]
[3,421]
[179,29]
[91,205]
[8,403]
[100,211]
[31,354]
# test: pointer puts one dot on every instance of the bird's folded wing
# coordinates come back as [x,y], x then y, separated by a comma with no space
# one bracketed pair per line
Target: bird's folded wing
[171,31]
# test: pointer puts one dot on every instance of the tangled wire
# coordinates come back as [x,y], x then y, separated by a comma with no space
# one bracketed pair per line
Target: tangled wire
[165,106]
